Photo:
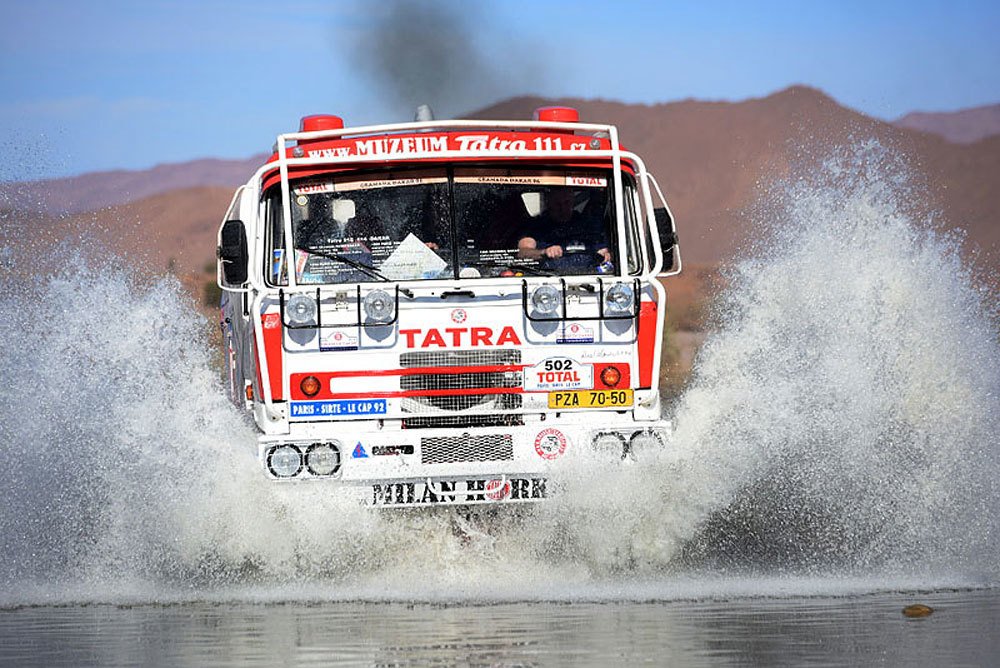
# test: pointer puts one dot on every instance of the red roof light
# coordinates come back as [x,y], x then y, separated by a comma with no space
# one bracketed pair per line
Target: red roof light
[557,114]
[321,122]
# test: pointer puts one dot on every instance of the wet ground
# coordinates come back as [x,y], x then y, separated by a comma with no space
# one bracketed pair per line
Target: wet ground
[855,630]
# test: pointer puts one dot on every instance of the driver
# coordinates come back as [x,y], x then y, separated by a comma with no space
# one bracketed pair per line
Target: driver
[561,229]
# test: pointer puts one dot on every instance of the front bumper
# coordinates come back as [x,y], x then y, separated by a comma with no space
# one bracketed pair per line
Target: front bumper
[388,467]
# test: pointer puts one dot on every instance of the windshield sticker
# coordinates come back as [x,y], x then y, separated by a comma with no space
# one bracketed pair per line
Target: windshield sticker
[587,181]
[276,264]
[313,188]
[374,184]
[301,257]
[344,407]
[534,180]
[412,259]
[501,179]
[364,184]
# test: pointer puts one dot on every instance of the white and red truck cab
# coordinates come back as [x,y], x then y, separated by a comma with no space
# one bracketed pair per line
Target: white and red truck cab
[438,312]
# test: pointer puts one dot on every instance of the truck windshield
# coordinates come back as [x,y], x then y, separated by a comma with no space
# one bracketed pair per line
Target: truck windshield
[449,223]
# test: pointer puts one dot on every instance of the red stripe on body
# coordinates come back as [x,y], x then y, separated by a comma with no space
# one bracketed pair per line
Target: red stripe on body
[418,371]
[410,393]
[647,342]
[271,326]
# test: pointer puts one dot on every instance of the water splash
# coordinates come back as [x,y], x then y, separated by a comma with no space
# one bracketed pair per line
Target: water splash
[843,419]
[847,409]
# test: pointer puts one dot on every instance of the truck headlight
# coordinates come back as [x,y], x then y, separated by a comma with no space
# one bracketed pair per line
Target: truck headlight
[284,461]
[610,442]
[619,298]
[379,306]
[545,300]
[323,458]
[300,310]
[645,440]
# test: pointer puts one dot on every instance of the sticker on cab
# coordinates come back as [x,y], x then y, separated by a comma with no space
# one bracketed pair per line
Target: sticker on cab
[341,407]
[558,373]
[550,443]
[576,333]
[497,490]
[338,340]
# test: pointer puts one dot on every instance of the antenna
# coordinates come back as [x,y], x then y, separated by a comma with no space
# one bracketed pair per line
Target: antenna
[424,114]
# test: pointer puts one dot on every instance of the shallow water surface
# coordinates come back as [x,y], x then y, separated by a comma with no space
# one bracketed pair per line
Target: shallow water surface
[855,630]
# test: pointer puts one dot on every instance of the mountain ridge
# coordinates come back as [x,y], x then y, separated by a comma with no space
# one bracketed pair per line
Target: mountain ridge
[964,126]
[713,160]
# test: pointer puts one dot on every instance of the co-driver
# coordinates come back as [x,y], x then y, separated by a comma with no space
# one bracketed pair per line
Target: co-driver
[562,230]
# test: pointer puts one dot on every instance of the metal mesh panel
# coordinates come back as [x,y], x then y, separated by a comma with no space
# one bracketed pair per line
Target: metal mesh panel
[466,448]
[455,381]
[462,421]
[459,358]
[461,402]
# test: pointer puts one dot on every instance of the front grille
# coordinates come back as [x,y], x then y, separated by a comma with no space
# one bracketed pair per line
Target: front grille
[461,381]
[466,448]
[463,421]
[459,358]
[478,403]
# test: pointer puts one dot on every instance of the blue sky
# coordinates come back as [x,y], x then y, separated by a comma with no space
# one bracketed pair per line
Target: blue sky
[106,84]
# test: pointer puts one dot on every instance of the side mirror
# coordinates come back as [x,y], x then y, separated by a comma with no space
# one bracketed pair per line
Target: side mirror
[668,238]
[233,253]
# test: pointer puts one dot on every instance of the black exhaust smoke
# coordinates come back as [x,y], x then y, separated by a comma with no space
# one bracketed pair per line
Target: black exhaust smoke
[424,52]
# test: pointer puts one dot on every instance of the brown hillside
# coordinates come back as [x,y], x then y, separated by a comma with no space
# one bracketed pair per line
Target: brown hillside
[172,230]
[713,158]
[97,190]
[964,126]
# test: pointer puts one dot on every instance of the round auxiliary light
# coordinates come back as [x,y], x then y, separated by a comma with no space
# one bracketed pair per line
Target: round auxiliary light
[379,306]
[610,443]
[644,441]
[310,386]
[611,376]
[619,298]
[284,461]
[545,300]
[300,310]
[323,458]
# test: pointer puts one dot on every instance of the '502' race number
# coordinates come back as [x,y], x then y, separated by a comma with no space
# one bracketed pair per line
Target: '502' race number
[559,373]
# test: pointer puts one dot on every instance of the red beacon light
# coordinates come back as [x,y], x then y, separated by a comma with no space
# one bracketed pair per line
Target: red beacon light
[319,122]
[557,114]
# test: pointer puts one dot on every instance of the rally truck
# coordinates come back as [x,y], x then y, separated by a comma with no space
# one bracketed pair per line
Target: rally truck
[440,312]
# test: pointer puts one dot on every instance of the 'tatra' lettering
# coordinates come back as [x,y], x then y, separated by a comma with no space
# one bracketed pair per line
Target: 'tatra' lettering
[460,336]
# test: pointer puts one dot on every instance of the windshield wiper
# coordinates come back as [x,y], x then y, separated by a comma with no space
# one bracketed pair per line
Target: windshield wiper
[360,266]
